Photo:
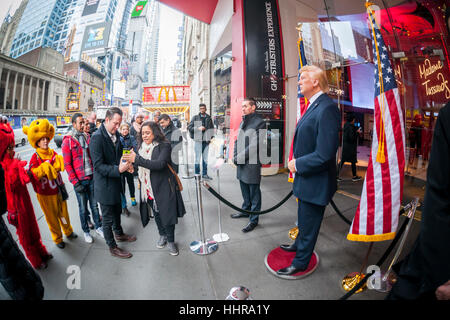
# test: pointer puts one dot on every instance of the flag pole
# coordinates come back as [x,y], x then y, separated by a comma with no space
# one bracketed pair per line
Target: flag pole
[352,279]
[293,232]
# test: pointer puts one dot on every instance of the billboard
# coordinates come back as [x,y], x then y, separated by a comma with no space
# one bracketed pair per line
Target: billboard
[119,89]
[90,7]
[96,36]
[73,103]
[138,9]
[167,94]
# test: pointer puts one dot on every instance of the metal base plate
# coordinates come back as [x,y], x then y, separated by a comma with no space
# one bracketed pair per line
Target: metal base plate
[221,237]
[203,248]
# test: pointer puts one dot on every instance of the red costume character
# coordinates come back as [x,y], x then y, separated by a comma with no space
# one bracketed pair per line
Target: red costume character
[20,209]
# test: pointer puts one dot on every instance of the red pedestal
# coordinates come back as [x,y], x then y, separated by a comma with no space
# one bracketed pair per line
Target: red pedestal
[278,259]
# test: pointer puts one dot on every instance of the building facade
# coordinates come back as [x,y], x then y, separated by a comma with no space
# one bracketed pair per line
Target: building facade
[29,90]
[336,37]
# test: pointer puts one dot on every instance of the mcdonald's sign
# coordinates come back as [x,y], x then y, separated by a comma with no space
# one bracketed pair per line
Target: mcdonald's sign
[166,95]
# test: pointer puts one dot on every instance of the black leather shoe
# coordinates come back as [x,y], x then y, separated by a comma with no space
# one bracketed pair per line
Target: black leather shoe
[239,215]
[289,271]
[288,247]
[249,227]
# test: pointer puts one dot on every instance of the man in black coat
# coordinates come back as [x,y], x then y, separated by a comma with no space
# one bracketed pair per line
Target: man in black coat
[201,129]
[246,158]
[350,145]
[106,153]
[173,135]
[425,272]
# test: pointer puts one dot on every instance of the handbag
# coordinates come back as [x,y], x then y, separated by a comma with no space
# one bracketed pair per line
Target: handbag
[180,185]
[63,191]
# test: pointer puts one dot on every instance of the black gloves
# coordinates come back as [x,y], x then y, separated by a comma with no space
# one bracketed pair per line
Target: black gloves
[79,187]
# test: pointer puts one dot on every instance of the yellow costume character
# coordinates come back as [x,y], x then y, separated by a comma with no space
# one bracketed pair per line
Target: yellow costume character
[45,168]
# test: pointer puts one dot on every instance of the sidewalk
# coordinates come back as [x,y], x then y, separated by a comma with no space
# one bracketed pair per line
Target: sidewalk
[153,274]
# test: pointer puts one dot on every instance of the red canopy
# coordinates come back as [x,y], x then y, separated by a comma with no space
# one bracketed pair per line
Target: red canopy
[202,10]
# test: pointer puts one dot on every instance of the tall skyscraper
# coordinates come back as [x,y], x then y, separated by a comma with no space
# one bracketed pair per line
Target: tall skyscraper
[136,48]
[153,44]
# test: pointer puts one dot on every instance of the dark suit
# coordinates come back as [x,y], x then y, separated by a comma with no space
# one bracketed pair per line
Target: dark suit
[107,181]
[246,158]
[316,141]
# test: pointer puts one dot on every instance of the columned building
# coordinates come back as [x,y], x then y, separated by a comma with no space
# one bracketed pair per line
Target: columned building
[25,89]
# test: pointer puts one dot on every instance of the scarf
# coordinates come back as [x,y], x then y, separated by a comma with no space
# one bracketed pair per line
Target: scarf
[145,151]
[81,137]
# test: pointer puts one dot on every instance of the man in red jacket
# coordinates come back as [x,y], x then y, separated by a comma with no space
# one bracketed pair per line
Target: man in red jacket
[79,167]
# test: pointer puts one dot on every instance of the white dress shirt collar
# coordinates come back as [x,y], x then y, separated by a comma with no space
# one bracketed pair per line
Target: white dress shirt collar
[314,97]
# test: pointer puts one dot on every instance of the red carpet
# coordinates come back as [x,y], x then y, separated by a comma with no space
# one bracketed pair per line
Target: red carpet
[278,259]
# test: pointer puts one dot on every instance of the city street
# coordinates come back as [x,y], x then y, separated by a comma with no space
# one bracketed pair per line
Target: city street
[153,274]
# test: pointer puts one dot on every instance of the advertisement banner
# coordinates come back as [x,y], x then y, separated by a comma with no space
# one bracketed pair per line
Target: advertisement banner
[73,103]
[90,7]
[263,66]
[63,121]
[96,36]
[138,9]
[263,50]
[167,94]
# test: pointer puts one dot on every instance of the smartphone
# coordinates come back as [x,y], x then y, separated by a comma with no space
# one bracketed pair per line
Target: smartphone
[125,151]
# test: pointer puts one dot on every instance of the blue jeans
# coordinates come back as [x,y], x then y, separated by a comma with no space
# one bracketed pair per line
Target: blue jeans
[252,199]
[83,198]
[201,150]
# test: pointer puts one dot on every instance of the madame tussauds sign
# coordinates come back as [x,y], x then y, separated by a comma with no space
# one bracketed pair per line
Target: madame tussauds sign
[434,80]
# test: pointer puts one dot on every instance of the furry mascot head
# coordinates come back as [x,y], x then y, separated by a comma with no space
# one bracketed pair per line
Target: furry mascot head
[37,130]
[6,136]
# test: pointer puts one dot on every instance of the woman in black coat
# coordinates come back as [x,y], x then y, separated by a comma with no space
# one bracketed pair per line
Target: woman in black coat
[159,188]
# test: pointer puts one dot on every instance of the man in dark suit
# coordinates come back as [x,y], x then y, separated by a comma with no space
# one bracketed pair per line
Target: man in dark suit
[316,141]
[246,158]
[106,153]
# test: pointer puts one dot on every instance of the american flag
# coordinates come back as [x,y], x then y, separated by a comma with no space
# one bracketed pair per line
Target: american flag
[301,100]
[377,214]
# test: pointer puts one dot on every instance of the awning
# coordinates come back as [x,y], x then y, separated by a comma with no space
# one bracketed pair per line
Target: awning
[167,109]
[202,10]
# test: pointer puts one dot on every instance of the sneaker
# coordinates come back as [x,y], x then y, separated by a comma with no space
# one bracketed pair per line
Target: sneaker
[206,177]
[88,238]
[133,202]
[100,232]
[339,179]
[73,235]
[173,250]
[356,178]
[161,242]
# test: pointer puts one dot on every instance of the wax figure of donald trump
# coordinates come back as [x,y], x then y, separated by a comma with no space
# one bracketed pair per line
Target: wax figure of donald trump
[316,141]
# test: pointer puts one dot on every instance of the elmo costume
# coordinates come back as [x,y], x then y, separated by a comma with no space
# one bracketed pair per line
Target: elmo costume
[20,209]
[44,170]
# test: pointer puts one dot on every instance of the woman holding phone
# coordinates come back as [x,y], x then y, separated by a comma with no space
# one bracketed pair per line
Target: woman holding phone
[159,188]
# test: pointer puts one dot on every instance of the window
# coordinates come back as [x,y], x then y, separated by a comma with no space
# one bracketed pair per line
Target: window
[40,32]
